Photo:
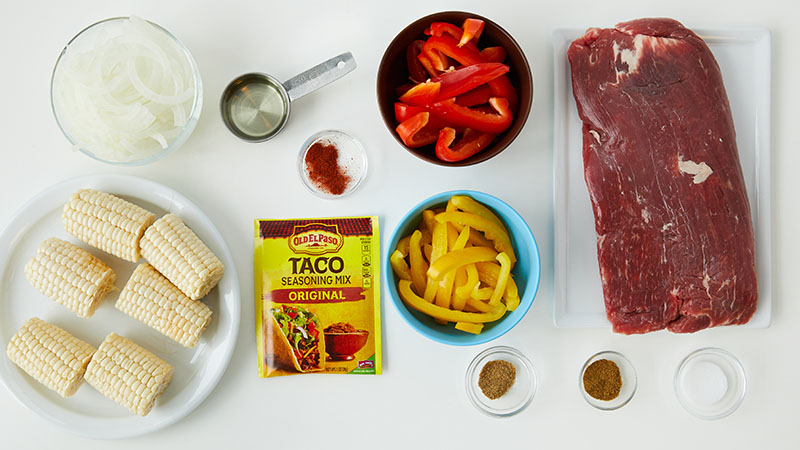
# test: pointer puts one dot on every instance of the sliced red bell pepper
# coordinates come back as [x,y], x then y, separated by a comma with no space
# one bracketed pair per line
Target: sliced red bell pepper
[494,54]
[471,143]
[451,84]
[501,86]
[415,68]
[414,132]
[422,94]
[457,115]
[428,65]
[403,112]
[442,28]
[473,28]
[477,96]
[403,88]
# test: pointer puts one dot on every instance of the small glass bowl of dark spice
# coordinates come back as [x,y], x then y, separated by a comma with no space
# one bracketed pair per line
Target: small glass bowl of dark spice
[500,381]
[608,380]
[332,164]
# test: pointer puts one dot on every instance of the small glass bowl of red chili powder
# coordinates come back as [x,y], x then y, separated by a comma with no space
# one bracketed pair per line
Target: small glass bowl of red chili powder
[332,164]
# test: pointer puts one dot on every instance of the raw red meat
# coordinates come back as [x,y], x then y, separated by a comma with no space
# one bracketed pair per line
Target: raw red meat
[674,234]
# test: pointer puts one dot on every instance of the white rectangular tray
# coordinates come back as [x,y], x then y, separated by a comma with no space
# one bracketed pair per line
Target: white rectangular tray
[744,56]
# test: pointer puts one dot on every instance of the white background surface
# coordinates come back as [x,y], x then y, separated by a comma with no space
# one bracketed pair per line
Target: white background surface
[420,399]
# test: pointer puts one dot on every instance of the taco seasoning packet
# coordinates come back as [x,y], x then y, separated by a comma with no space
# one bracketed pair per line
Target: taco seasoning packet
[317,294]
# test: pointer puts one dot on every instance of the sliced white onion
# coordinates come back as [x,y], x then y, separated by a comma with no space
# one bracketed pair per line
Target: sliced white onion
[126,96]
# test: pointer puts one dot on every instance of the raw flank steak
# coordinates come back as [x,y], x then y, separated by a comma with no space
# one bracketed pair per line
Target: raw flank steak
[674,234]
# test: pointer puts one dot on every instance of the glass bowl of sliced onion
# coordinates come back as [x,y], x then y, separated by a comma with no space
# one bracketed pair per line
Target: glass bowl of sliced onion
[125,91]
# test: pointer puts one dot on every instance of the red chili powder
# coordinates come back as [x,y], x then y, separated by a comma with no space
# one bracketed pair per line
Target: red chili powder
[324,169]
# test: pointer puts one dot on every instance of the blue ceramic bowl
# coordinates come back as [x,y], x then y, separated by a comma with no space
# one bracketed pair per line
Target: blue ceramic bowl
[526,271]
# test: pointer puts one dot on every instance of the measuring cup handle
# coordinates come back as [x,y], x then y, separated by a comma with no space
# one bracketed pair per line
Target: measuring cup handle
[320,75]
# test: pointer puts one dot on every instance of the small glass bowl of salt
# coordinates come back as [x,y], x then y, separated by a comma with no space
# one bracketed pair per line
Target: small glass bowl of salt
[710,383]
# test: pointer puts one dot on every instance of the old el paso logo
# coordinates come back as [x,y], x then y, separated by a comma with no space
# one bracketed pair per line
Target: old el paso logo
[315,239]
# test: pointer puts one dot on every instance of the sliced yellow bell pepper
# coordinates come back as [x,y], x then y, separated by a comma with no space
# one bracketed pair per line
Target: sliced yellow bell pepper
[468,204]
[459,281]
[428,221]
[427,251]
[502,279]
[448,315]
[474,328]
[482,294]
[478,305]
[488,272]
[464,289]
[418,265]
[457,258]
[492,231]
[399,265]
[402,245]
[445,294]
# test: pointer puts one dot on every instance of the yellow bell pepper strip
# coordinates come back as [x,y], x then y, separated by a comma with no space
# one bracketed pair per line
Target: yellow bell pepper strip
[502,279]
[439,243]
[418,265]
[402,245]
[496,234]
[445,293]
[489,272]
[399,265]
[458,258]
[459,280]
[474,328]
[512,303]
[478,305]
[448,315]
[428,221]
[476,238]
[464,289]
[468,204]
[482,294]
[427,250]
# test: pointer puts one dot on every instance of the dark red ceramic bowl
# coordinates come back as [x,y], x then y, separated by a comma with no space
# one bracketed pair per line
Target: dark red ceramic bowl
[343,346]
[393,72]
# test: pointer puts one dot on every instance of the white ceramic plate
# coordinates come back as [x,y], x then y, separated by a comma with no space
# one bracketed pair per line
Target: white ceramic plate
[88,412]
[743,55]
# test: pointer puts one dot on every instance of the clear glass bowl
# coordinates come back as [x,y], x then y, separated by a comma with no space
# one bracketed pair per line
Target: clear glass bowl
[352,159]
[710,383]
[88,35]
[627,373]
[520,394]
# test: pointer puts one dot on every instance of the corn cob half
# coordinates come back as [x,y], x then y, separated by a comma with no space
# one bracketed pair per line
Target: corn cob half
[151,299]
[51,355]
[107,222]
[70,276]
[175,251]
[128,374]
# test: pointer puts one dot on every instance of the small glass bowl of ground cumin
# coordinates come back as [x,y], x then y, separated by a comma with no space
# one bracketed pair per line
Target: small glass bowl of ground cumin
[500,381]
[608,380]
[332,164]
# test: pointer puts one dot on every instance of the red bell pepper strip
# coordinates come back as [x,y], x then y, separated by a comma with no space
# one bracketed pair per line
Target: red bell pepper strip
[494,54]
[473,28]
[501,87]
[428,65]
[451,84]
[471,143]
[414,132]
[442,28]
[477,96]
[403,112]
[457,115]
[415,68]
[422,94]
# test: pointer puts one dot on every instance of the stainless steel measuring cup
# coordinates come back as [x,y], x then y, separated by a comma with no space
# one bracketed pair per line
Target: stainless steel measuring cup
[255,106]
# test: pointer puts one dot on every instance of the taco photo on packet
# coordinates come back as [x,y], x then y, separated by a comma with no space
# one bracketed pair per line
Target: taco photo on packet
[297,339]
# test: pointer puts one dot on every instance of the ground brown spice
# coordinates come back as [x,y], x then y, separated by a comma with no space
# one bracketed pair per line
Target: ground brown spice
[340,327]
[602,380]
[496,378]
[324,169]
